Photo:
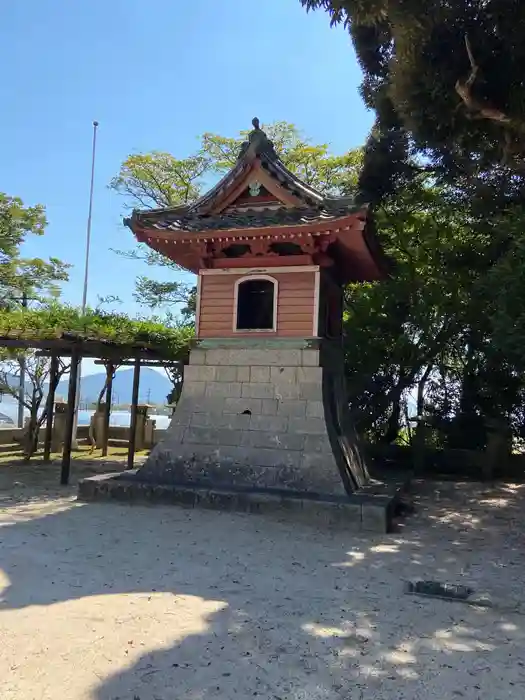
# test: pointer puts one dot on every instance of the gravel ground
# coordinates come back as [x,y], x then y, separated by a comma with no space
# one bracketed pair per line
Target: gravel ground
[115,602]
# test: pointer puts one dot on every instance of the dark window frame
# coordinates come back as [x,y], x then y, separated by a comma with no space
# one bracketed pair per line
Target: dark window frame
[241,285]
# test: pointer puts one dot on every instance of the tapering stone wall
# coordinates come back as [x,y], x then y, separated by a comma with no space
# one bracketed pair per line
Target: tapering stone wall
[258,418]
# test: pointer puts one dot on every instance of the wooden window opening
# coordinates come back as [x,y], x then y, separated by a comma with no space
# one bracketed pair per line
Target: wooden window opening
[255,304]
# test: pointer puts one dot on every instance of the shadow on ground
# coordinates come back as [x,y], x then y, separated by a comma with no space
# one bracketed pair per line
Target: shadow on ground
[200,604]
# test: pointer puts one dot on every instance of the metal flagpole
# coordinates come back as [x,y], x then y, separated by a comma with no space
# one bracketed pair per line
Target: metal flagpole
[86,267]
[88,232]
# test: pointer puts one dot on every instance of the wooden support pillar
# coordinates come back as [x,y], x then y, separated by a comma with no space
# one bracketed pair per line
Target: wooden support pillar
[110,370]
[133,424]
[53,381]
[70,418]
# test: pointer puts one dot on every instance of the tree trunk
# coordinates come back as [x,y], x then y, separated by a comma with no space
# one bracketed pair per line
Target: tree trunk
[421,390]
[394,420]
[31,440]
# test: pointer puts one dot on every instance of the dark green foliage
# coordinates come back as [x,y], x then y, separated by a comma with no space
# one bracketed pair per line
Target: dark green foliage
[20,277]
[449,73]
[435,332]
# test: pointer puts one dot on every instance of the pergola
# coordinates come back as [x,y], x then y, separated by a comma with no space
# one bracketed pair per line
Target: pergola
[110,353]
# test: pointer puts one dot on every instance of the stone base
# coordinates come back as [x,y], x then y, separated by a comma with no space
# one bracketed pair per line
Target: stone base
[259,415]
[370,510]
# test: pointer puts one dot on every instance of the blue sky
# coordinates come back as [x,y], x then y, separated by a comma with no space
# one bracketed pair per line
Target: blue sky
[156,74]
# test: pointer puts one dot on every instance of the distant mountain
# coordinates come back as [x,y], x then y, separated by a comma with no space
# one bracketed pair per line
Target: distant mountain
[154,387]
[14,381]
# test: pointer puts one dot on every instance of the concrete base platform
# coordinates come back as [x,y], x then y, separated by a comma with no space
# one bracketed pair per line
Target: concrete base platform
[372,509]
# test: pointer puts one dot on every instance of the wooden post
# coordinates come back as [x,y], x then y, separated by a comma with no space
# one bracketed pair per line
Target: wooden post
[133,424]
[53,372]
[70,418]
[110,369]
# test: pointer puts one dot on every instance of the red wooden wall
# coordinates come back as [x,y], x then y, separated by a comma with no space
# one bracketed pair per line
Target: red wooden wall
[295,305]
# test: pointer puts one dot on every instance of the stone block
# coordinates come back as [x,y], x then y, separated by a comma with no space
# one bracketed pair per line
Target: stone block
[230,437]
[283,375]
[309,426]
[292,408]
[309,375]
[180,417]
[286,358]
[225,374]
[240,405]
[345,516]
[269,407]
[272,439]
[270,457]
[269,423]
[243,374]
[223,389]
[201,404]
[174,435]
[230,421]
[197,357]
[314,409]
[374,517]
[270,356]
[250,357]
[194,388]
[259,374]
[199,373]
[317,513]
[236,467]
[202,436]
[350,516]
[317,460]
[217,500]
[219,356]
[317,443]
[313,391]
[182,497]
[284,392]
[203,420]
[310,358]
[257,391]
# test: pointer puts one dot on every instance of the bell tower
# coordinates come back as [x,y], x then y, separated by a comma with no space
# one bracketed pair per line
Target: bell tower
[263,407]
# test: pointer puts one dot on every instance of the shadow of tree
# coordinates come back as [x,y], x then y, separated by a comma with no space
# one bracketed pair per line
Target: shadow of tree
[200,605]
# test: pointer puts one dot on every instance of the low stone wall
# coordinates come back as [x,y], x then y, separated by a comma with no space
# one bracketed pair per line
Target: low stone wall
[121,432]
[454,463]
[10,434]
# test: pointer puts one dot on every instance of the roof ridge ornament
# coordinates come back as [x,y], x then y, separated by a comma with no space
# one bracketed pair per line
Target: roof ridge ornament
[258,142]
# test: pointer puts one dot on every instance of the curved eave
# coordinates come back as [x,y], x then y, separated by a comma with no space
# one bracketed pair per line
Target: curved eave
[355,249]
[179,236]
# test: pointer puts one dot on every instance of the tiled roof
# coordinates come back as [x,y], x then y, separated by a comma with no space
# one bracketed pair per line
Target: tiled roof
[249,218]
[196,217]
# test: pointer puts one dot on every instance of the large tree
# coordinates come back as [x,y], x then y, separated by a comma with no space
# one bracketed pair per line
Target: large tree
[430,333]
[445,76]
[25,282]
[23,278]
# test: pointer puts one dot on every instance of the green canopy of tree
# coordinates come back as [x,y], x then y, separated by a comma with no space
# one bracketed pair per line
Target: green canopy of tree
[21,277]
[443,75]
[434,338]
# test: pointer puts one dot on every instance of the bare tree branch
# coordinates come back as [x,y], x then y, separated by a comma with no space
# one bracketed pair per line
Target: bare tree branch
[464,90]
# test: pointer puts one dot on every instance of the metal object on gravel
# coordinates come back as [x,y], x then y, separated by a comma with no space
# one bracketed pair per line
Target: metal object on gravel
[447,591]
